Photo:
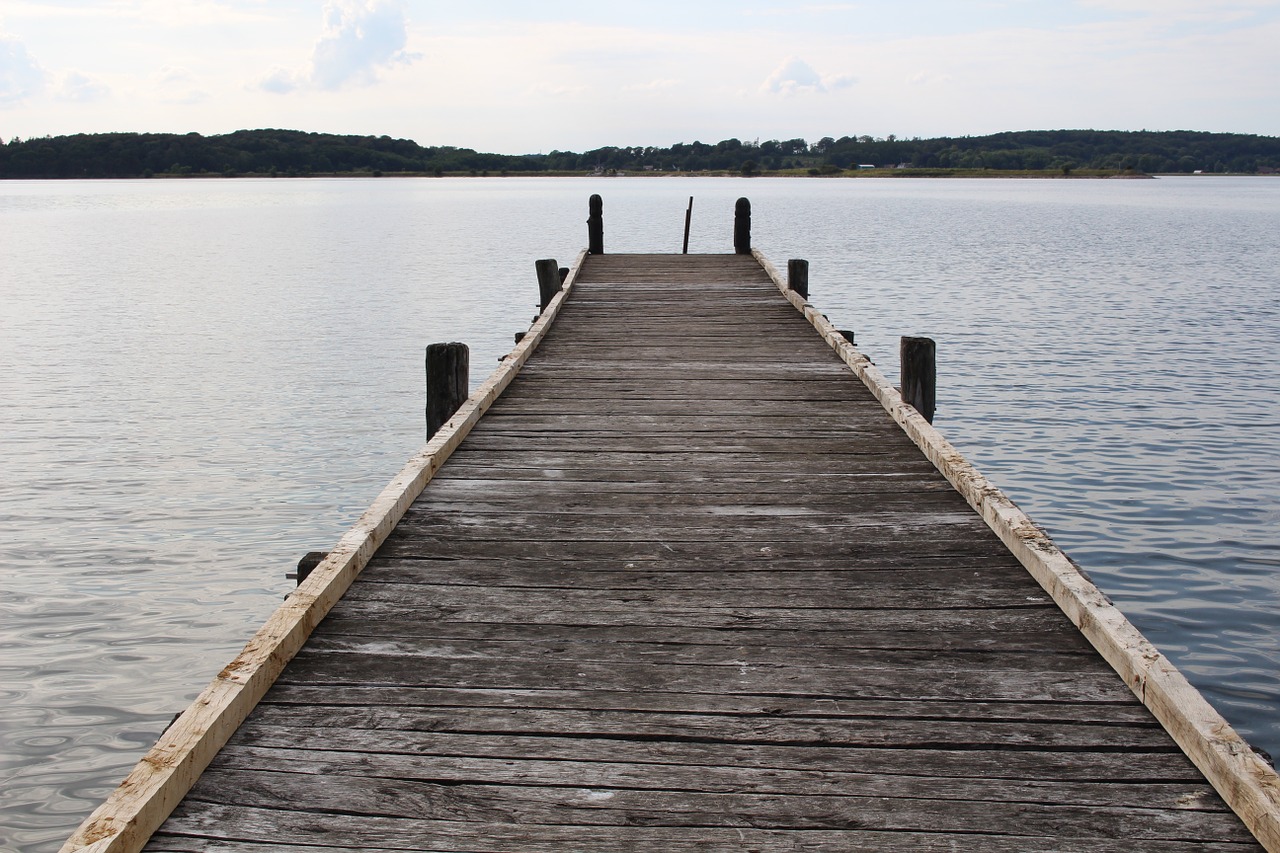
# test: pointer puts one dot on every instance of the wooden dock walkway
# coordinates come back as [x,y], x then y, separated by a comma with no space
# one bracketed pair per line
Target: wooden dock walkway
[686,586]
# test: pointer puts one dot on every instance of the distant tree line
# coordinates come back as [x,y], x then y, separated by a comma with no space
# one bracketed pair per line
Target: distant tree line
[291,152]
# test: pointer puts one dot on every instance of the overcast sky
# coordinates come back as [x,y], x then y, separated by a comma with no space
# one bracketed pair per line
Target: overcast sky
[528,77]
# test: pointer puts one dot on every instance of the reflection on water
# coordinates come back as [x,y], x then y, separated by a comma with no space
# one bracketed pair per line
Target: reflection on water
[204,380]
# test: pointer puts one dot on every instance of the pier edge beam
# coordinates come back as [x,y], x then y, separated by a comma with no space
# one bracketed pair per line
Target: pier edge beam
[918,374]
[798,277]
[447,383]
[595,225]
[742,226]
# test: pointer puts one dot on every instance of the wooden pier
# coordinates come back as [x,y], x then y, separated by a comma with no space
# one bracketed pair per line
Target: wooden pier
[691,584]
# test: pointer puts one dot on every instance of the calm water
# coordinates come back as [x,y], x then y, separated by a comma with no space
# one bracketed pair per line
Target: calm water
[202,380]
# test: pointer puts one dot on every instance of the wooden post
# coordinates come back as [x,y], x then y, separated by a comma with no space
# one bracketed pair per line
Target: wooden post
[447,383]
[548,281]
[688,220]
[742,227]
[847,334]
[798,277]
[919,374]
[309,561]
[595,225]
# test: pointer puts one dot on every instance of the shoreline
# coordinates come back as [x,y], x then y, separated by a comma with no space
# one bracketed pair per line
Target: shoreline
[887,173]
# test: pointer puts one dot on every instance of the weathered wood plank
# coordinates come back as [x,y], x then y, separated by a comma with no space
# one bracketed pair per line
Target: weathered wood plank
[884,682]
[598,598]
[969,620]
[452,755]
[255,771]
[920,806]
[771,707]
[901,732]
[268,826]
[398,622]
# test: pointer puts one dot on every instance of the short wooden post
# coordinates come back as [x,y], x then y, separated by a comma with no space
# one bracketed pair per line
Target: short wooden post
[307,564]
[549,281]
[742,227]
[595,225]
[688,220]
[447,383]
[798,277]
[847,334]
[919,374]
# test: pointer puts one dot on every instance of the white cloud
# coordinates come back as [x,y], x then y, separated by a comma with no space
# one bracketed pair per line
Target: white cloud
[20,75]
[360,36]
[795,76]
[81,89]
[280,81]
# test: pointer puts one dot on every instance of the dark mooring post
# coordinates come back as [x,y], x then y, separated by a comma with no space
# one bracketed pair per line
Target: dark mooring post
[549,281]
[919,374]
[798,277]
[307,564]
[447,383]
[688,220]
[595,225]
[742,227]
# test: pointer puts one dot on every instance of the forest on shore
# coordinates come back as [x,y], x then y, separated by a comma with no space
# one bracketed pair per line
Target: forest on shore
[299,153]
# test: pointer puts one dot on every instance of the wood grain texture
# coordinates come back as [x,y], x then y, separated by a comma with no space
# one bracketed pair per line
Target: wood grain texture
[689,586]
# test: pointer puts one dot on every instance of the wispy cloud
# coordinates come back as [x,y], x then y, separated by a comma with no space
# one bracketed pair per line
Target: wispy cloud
[164,13]
[795,76]
[927,78]
[652,86]
[360,38]
[177,85]
[808,9]
[81,89]
[1194,9]
[555,91]
[20,75]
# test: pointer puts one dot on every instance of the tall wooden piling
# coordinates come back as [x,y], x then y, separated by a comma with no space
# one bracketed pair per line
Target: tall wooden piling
[447,382]
[742,227]
[595,225]
[549,281]
[918,375]
[798,277]
[688,220]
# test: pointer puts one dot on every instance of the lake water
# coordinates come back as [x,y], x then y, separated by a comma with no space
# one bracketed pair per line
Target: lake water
[202,380]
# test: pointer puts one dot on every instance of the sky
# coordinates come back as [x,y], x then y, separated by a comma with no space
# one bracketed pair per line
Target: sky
[531,77]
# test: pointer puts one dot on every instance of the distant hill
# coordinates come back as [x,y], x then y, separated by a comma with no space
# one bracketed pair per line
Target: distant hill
[292,152]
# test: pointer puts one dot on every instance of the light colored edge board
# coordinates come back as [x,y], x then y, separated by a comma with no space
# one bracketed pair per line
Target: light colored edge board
[1246,782]
[159,781]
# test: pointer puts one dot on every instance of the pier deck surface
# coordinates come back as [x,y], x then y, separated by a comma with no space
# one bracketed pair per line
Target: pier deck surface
[685,587]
